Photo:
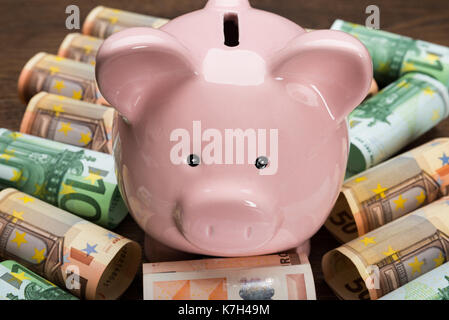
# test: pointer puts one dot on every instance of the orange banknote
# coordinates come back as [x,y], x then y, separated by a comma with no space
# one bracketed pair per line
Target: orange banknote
[282,276]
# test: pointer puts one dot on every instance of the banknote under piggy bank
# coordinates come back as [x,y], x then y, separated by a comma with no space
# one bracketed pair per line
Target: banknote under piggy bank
[232,137]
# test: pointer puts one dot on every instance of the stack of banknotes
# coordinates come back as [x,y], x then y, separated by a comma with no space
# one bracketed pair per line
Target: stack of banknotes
[392,216]
[60,196]
[394,222]
[415,77]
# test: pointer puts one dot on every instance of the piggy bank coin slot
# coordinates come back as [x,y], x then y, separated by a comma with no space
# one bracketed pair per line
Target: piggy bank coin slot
[231,29]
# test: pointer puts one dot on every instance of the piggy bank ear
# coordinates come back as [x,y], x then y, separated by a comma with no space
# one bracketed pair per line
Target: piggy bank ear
[336,65]
[138,65]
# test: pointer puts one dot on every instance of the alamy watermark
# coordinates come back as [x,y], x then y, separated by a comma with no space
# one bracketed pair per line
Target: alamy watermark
[73,20]
[373,20]
[229,146]
[72,282]
[372,282]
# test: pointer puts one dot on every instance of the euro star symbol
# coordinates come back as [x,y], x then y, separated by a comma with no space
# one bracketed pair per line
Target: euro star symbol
[444,158]
[429,91]
[77,94]
[87,49]
[58,109]
[85,138]
[416,265]
[15,135]
[65,128]
[59,85]
[26,199]
[391,252]
[408,66]
[19,239]
[368,240]
[403,84]
[17,215]
[440,260]
[432,57]
[113,20]
[421,198]
[379,190]
[5,156]
[38,190]
[66,189]
[435,115]
[93,177]
[17,176]
[54,70]
[39,255]
[90,249]
[400,202]
[20,276]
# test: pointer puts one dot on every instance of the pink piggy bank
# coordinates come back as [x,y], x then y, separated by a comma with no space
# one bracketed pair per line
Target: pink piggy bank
[232,137]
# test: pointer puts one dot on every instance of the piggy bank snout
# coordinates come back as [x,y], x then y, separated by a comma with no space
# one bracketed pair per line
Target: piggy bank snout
[228,225]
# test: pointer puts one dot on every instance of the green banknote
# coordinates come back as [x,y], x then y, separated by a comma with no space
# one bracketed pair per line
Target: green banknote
[78,180]
[384,124]
[19,283]
[394,55]
[433,285]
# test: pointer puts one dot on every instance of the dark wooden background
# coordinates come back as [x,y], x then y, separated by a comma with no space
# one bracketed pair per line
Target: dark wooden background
[31,26]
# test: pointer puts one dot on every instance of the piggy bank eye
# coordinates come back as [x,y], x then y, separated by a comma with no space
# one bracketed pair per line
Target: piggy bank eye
[261,162]
[193,160]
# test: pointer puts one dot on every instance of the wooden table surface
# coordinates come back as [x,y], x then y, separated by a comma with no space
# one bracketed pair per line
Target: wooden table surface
[31,26]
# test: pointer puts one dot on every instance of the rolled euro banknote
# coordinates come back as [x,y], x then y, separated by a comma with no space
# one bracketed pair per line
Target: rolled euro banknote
[78,180]
[283,276]
[390,190]
[398,114]
[70,121]
[20,283]
[89,261]
[373,90]
[433,285]
[394,55]
[80,47]
[101,22]
[387,258]
[58,75]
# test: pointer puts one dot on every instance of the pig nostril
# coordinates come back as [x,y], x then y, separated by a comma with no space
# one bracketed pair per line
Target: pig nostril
[209,231]
[248,232]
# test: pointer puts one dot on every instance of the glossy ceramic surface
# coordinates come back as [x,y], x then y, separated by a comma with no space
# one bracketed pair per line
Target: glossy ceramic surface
[272,75]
